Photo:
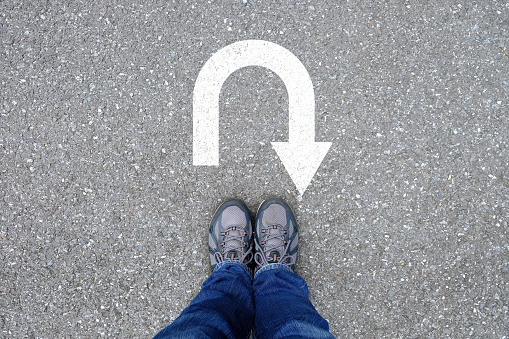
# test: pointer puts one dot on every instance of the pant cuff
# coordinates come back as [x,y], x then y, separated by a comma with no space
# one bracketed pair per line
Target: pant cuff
[232,262]
[272,266]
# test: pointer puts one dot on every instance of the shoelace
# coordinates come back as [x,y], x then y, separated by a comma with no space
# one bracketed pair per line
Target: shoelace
[234,241]
[279,237]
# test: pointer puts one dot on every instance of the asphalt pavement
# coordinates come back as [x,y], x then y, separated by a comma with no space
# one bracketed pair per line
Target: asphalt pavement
[104,217]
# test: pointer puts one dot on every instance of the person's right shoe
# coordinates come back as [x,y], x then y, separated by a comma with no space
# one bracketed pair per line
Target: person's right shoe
[276,234]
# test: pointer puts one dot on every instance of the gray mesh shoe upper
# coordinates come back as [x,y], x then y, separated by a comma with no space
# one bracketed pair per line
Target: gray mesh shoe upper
[276,237]
[230,234]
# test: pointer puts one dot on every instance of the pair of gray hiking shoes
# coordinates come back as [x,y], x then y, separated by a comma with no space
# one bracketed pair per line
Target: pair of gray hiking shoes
[274,239]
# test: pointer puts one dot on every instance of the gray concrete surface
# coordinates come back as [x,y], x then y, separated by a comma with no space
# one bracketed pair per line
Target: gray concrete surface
[103,217]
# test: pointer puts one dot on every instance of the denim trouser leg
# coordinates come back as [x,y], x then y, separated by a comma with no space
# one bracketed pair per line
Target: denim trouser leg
[223,308]
[283,309]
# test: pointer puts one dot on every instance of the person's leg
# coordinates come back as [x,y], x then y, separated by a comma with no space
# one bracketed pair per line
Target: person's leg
[282,305]
[224,307]
[283,309]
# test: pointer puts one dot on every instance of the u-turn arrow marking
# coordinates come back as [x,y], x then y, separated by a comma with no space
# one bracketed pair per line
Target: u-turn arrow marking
[301,155]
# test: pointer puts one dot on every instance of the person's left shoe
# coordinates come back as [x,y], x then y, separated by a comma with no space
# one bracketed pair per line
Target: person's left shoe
[231,234]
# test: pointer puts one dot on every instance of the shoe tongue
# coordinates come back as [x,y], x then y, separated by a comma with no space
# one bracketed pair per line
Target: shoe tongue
[233,254]
[276,245]
[274,256]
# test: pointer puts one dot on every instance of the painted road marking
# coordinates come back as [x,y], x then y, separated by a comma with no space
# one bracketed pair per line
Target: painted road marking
[301,155]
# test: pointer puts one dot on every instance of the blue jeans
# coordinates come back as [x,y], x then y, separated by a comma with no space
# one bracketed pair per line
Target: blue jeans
[275,304]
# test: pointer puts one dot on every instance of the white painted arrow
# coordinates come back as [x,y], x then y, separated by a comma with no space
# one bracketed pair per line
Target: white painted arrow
[301,155]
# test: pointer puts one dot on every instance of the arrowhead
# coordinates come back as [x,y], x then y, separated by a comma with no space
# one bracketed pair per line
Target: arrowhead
[301,160]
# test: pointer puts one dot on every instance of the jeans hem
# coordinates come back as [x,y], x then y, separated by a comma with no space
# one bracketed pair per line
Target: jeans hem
[272,267]
[234,262]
